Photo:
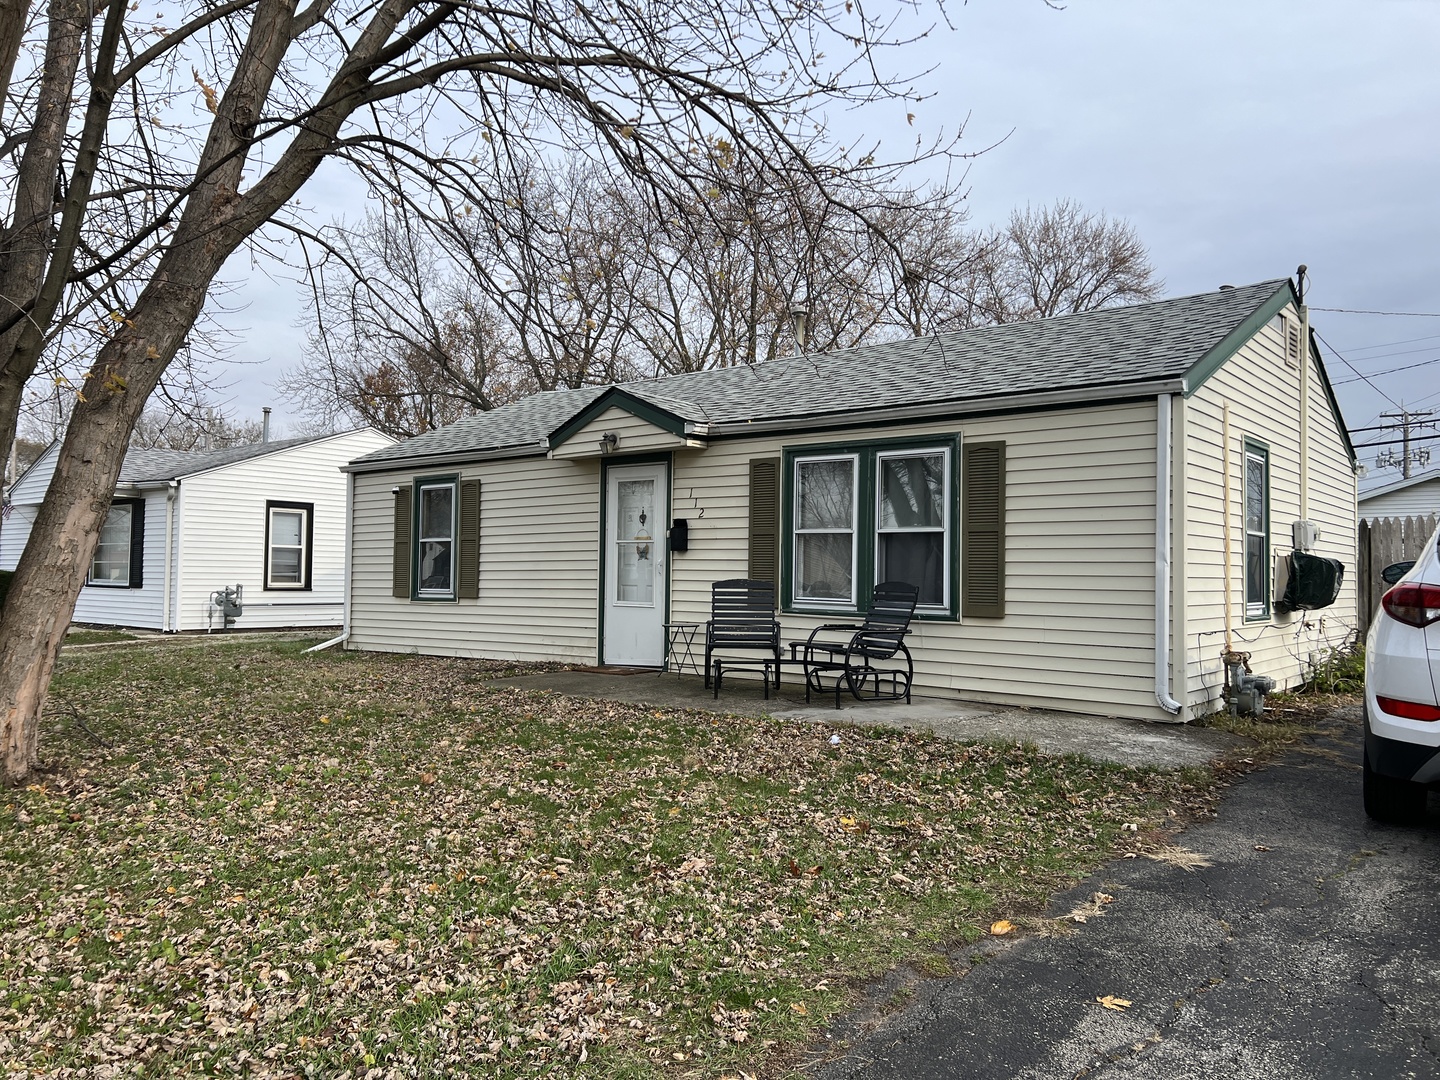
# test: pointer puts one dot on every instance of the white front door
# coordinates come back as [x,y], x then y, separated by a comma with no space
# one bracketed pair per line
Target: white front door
[637,514]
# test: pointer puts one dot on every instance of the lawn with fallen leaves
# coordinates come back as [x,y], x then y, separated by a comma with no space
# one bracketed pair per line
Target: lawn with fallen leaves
[369,865]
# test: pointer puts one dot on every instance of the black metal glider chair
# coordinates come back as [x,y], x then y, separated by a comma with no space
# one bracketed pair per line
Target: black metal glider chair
[742,616]
[868,659]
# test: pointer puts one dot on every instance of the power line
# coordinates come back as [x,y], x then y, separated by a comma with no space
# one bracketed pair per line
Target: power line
[1365,311]
[1390,371]
[1353,368]
[1387,344]
[1398,442]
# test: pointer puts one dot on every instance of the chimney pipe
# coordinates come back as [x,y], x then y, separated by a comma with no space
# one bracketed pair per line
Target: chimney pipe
[265,425]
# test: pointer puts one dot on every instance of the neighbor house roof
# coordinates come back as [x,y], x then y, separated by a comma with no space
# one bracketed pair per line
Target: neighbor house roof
[1400,485]
[158,466]
[1163,346]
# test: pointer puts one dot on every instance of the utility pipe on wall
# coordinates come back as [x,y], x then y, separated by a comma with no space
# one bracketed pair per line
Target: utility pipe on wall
[1225,484]
[167,622]
[1162,556]
[1304,361]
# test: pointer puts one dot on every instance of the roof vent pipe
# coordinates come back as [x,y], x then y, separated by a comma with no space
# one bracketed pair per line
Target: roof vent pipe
[265,425]
[798,316]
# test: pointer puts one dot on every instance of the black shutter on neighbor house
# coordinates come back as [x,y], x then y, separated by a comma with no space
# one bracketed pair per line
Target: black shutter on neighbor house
[765,520]
[137,543]
[400,568]
[982,528]
[468,573]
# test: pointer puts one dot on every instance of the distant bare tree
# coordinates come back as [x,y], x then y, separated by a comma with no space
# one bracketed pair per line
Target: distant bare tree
[575,276]
[164,429]
[1058,260]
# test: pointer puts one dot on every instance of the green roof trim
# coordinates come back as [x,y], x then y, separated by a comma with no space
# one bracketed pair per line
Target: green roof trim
[1232,342]
[615,397]
[1319,363]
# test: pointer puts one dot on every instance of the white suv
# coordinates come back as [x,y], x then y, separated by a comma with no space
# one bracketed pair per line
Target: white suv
[1402,677]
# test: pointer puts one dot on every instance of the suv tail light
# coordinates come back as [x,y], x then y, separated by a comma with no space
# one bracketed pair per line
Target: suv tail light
[1415,605]
[1410,710]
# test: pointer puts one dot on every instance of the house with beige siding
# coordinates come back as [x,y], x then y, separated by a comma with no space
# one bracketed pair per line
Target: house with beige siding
[1095,508]
[268,517]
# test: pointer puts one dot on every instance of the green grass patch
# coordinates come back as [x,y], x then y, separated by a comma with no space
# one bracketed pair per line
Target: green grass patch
[332,863]
[83,636]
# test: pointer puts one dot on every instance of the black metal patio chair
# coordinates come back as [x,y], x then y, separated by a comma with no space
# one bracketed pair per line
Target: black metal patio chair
[868,659]
[742,617]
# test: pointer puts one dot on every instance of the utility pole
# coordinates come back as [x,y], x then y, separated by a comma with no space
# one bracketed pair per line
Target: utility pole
[1405,420]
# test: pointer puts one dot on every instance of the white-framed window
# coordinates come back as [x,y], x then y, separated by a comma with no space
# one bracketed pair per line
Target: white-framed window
[118,562]
[1257,531]
[824,515]
[435,538]
[912,521]
[111,565]
[288,533]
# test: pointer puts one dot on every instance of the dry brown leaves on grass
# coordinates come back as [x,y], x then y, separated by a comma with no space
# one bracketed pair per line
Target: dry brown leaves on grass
[382,866]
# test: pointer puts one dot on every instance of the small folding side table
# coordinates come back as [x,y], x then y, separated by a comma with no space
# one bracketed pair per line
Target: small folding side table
[680,647]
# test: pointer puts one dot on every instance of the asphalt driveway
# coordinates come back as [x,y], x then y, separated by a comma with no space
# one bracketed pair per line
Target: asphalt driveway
[1310,947]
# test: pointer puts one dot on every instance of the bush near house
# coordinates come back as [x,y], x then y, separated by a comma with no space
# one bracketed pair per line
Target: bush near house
[292,864]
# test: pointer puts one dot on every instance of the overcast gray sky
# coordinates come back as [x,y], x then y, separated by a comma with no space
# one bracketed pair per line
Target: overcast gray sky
[1240,138]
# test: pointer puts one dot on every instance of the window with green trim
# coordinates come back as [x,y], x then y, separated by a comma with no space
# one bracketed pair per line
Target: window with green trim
[435,539]
[1257,531]
[863,515]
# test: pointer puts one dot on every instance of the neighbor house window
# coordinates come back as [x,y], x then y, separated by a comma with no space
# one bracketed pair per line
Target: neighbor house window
[1257,531]
[435,538]
[872,514]
[289,530]
[825,508]
[118,556]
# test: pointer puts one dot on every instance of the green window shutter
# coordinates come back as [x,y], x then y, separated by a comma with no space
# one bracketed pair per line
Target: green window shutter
[982,567]
[468,570]
[765,520]
[400,568]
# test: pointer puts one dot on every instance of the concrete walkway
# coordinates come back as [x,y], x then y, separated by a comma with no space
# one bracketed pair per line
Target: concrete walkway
[1102,738]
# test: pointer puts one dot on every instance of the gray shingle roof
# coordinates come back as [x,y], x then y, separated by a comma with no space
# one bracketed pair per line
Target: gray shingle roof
[1112,347]
[158,466]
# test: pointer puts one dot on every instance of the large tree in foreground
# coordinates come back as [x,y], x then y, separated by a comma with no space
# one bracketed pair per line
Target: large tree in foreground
[144,147]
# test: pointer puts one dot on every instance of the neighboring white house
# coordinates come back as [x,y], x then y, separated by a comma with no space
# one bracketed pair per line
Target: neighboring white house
[1093,507]
[269,517]
[1417,496]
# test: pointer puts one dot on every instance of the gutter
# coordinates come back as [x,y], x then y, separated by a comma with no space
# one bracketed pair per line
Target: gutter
[170,489]
[344,634]
[1163,406]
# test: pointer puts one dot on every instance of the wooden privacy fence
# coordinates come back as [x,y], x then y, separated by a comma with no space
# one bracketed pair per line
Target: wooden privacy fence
[1382,542]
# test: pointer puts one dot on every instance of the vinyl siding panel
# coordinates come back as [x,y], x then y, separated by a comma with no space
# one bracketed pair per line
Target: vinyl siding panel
[143,607]
[539,568]
[223,534]
[1418,499]
[1263,395]
[1078,629]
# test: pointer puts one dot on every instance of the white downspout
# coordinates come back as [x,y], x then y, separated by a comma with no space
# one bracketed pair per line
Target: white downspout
[1162,556]
[168,600]
[345,575]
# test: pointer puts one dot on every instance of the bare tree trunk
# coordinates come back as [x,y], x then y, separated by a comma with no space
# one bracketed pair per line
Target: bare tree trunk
[26,250]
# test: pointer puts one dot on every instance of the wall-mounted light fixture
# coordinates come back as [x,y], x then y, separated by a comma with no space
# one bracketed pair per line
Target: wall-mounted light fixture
[608,442]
